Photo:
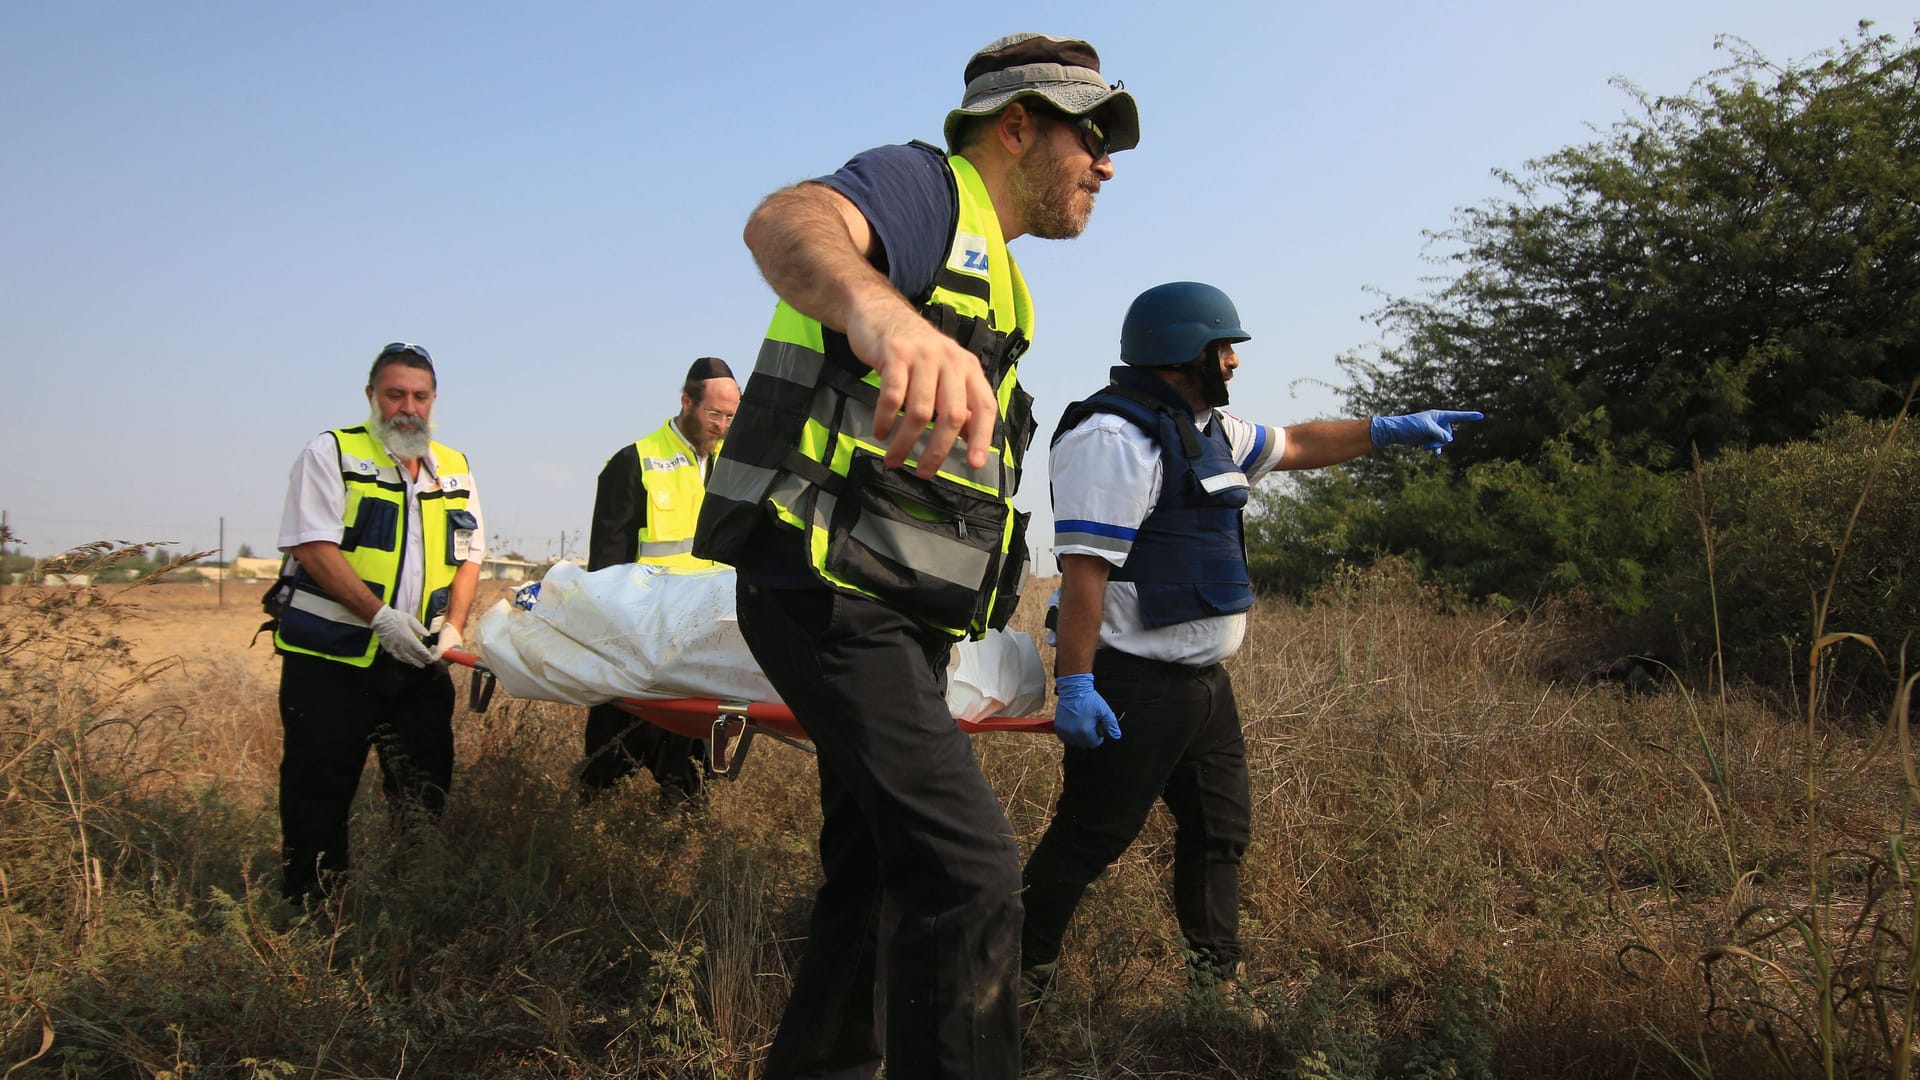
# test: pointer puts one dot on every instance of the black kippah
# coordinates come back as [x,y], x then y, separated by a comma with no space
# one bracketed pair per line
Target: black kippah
[709,367]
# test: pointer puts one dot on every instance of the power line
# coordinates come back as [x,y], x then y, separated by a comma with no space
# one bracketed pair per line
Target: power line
[264,520]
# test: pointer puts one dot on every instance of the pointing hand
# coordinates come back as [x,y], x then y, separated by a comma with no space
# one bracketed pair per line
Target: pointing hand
[1431,430]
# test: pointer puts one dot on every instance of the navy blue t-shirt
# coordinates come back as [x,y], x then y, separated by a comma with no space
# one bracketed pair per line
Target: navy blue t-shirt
[908,199]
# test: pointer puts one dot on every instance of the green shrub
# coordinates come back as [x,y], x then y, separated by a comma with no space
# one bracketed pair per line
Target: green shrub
[1513,532]
[1507,531]
[1777,522]
[1301,527]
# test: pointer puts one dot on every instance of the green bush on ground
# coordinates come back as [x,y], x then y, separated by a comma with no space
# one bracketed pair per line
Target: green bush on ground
[1777,521]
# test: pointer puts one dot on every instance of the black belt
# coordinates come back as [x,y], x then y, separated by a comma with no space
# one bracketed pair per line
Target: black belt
[1115,660]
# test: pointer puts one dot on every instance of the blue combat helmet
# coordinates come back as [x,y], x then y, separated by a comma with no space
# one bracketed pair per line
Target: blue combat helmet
[1173,323]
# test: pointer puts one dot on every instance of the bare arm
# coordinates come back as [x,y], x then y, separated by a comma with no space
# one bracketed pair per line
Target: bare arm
[466,582]
[815,248]
[322,560]
[1083,596]
[1320,443]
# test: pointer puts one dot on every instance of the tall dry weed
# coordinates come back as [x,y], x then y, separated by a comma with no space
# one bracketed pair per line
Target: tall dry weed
[1467,863]
[1823,974]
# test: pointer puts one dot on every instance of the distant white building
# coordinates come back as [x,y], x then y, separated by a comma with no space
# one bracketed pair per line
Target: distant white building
[260,569]
[501,568]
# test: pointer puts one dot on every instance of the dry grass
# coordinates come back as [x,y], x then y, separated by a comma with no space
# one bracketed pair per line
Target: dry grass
[1463,866]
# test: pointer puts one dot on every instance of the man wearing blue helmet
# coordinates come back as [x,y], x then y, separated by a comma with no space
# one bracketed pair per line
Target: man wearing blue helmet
[1153,599]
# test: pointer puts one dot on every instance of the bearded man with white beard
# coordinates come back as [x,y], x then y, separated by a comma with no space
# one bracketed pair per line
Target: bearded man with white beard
[383,535]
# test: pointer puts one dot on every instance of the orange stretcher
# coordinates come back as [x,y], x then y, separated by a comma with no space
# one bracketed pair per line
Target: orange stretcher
[726,728]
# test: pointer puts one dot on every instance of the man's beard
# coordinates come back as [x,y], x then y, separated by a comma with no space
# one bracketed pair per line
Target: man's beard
[694,430]
[1206,373]
[1213,384]
[1051,199]
[405,437]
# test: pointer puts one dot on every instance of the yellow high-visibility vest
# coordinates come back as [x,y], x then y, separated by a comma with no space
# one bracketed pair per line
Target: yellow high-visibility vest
[949,551]
[374,542]
[670,472]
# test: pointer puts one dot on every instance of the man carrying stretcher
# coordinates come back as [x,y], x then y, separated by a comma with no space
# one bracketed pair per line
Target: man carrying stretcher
[644,511]
[865,547]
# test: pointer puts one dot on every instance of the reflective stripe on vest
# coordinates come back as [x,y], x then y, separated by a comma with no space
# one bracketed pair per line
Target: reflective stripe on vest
[1188,559]
[670,473]
[373,541]
[951,551]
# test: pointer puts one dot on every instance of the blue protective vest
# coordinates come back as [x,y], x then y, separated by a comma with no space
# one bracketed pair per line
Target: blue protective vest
[1189,558]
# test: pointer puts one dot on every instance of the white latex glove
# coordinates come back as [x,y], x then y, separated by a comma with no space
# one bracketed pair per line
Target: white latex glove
[449,639]
[400,634]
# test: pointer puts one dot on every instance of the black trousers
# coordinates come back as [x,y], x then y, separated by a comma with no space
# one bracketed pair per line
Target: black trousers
[922,877]
[331,714]
[1180,743]
[619,742]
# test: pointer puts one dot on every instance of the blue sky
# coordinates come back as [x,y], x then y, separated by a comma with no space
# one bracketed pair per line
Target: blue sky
[212,215]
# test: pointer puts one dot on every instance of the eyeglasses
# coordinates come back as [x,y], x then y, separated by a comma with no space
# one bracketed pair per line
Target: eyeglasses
[715,416]
[1093,137]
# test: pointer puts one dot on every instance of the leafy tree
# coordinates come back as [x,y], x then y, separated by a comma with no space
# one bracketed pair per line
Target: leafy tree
[245,552]
[1724,269]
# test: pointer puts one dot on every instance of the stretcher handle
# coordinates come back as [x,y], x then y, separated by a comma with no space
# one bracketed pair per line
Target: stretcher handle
[481,686]
[778,717]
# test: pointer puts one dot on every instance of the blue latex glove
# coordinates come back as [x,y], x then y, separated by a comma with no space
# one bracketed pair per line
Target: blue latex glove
[1082,716]
[1432,429]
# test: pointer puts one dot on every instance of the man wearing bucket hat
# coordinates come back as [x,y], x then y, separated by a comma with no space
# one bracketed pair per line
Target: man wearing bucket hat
[644,511]
[867,541]
[1150,481]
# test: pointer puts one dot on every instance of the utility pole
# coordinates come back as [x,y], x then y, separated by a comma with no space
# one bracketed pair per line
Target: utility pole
[220,590]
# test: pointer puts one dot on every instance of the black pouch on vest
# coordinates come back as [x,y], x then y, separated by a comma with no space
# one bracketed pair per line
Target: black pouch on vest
[932,560]
[376,525]
[460,527]
[1013,575]
[274,603]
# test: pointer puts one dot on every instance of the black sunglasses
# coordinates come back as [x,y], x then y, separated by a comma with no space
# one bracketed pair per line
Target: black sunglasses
[1093,138]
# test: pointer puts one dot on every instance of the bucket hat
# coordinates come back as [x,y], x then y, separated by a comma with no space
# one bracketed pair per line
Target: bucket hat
[1063,71]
